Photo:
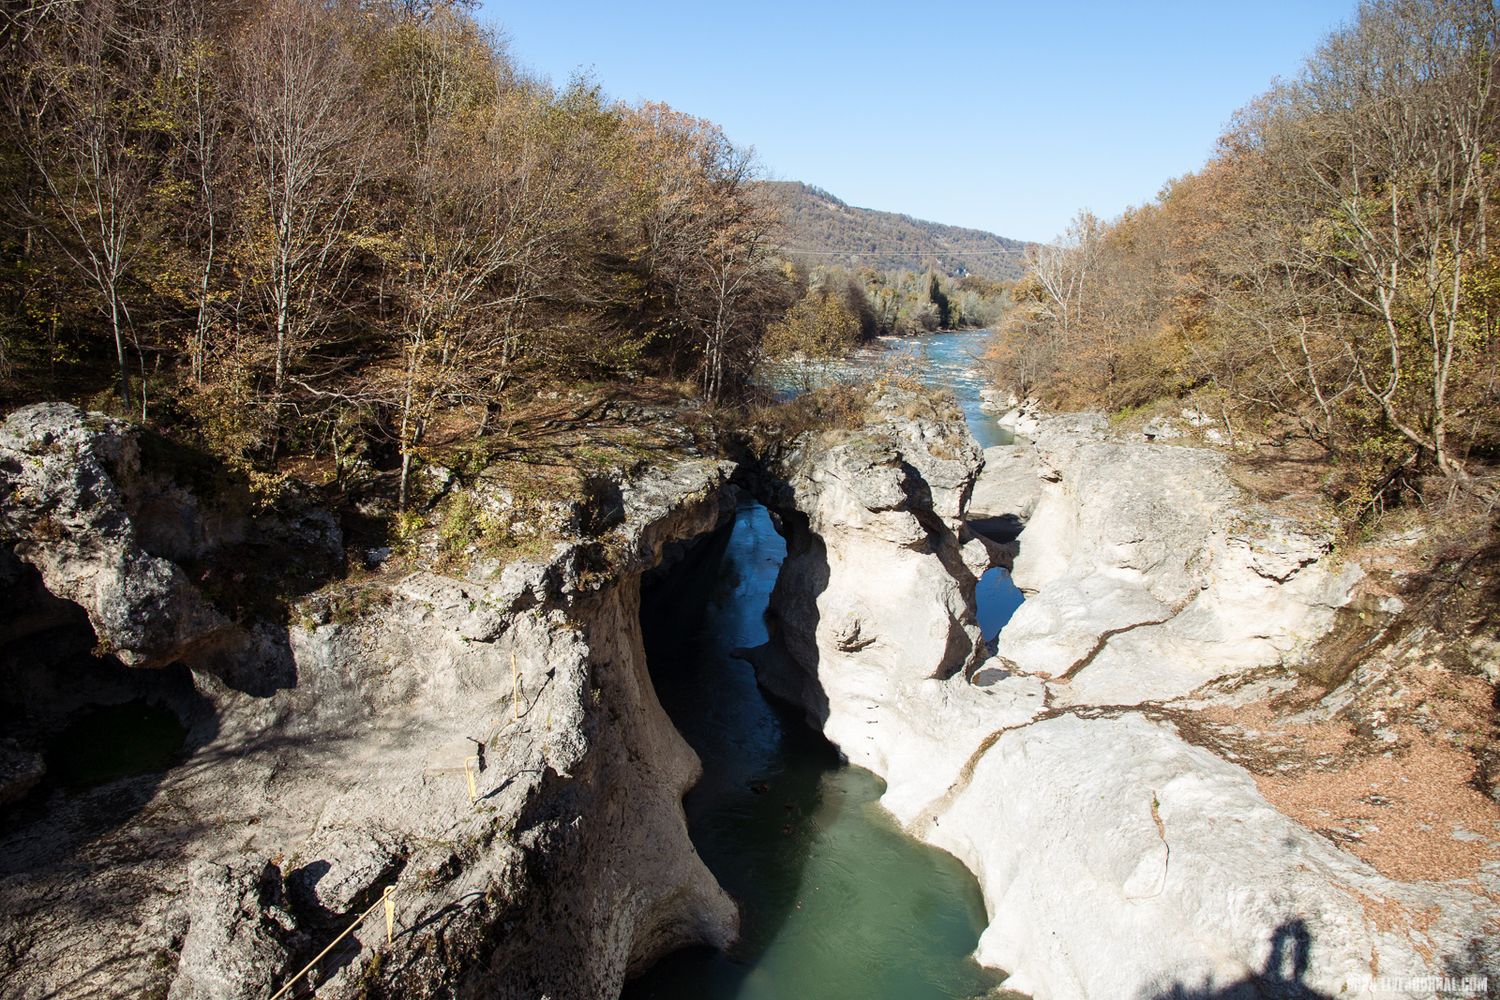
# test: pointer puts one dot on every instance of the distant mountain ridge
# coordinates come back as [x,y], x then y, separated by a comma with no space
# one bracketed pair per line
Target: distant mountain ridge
[824,229]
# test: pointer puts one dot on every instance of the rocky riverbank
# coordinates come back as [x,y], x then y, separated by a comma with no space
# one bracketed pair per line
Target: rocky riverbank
[1162,776]
[1083,772]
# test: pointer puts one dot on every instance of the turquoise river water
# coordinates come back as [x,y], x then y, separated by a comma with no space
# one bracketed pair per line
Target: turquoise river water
[836,902]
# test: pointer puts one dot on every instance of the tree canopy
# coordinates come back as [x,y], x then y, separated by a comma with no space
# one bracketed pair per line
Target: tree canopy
[1330,266]
[292,223]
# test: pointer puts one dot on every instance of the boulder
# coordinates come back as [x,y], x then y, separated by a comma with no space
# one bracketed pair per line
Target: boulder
[236,946]
[71,481]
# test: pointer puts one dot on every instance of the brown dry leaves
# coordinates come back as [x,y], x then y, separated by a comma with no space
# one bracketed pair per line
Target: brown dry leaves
[1399,811]
[1399,796]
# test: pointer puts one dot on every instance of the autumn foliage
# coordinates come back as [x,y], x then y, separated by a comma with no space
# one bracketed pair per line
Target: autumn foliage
[1328,270]
[294,226]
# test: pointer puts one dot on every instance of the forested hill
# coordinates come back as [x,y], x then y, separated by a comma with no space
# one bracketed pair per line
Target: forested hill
[837,233]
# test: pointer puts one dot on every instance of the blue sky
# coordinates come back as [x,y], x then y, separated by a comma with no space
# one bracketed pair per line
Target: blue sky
[1003,116]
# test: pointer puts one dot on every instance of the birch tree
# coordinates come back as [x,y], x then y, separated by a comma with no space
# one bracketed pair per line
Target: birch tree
[83,120]
[1387,141]
[310,138]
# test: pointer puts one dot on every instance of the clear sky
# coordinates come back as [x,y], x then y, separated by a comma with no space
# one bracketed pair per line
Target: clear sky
[1002,116]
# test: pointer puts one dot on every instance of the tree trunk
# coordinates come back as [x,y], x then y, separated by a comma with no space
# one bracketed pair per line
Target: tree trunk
[114,325]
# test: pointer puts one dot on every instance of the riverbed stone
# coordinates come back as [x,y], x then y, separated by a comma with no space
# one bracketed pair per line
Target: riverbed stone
[1146,562]
[1117,860]
[1151,865]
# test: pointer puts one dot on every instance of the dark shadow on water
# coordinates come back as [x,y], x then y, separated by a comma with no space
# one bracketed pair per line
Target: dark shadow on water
[792,620]
[835,901]
[761,765]
[1282,978]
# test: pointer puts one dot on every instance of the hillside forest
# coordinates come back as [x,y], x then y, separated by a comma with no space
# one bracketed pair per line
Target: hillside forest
[342,233]
[1327,276]
[302,230]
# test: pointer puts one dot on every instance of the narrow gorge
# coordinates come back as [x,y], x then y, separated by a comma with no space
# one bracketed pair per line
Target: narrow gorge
[487,739]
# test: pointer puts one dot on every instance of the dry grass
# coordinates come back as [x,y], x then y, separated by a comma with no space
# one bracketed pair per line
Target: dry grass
[1288,473]
[831,409]
[1401,768]
[580,428]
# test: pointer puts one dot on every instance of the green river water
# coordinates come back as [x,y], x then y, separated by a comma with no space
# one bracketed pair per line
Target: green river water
[836,902]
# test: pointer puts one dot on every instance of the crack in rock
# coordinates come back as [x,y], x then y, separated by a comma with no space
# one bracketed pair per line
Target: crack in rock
[1108,634]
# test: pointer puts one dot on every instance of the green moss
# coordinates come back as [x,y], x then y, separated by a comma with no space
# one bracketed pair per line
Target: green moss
[465,528]
[1127,414]
[462,523]
[407,525]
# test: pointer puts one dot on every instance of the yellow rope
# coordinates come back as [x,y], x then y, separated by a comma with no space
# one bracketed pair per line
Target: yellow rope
[390,914]
[469,774]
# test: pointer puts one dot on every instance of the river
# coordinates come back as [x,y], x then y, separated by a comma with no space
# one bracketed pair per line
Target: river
[837,903]
[952,361]
[949,361]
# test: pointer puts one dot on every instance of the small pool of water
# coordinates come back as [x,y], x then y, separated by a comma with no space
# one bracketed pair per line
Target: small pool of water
[836,902]
[109,742]
[996,598]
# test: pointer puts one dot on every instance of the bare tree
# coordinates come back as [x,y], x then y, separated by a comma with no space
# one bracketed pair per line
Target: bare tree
[458,255]
[735,270]
[203,147]
[83,122]
[1063,268]
[1387,139]
[707,237]
[309,134]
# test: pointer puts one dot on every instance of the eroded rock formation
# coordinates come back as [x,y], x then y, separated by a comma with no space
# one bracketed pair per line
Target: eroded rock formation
[327,749]
[1117,858]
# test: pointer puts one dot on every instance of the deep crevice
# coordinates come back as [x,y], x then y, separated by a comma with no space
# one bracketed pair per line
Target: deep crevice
[789,831]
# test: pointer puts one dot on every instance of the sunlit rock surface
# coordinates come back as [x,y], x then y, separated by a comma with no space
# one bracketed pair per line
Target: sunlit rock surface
[1117,859]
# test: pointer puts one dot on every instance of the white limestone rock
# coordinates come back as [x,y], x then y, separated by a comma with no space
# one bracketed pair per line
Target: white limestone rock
[570,870]
[1118,861]
[70,482]
[1148,573]
[1148,577]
